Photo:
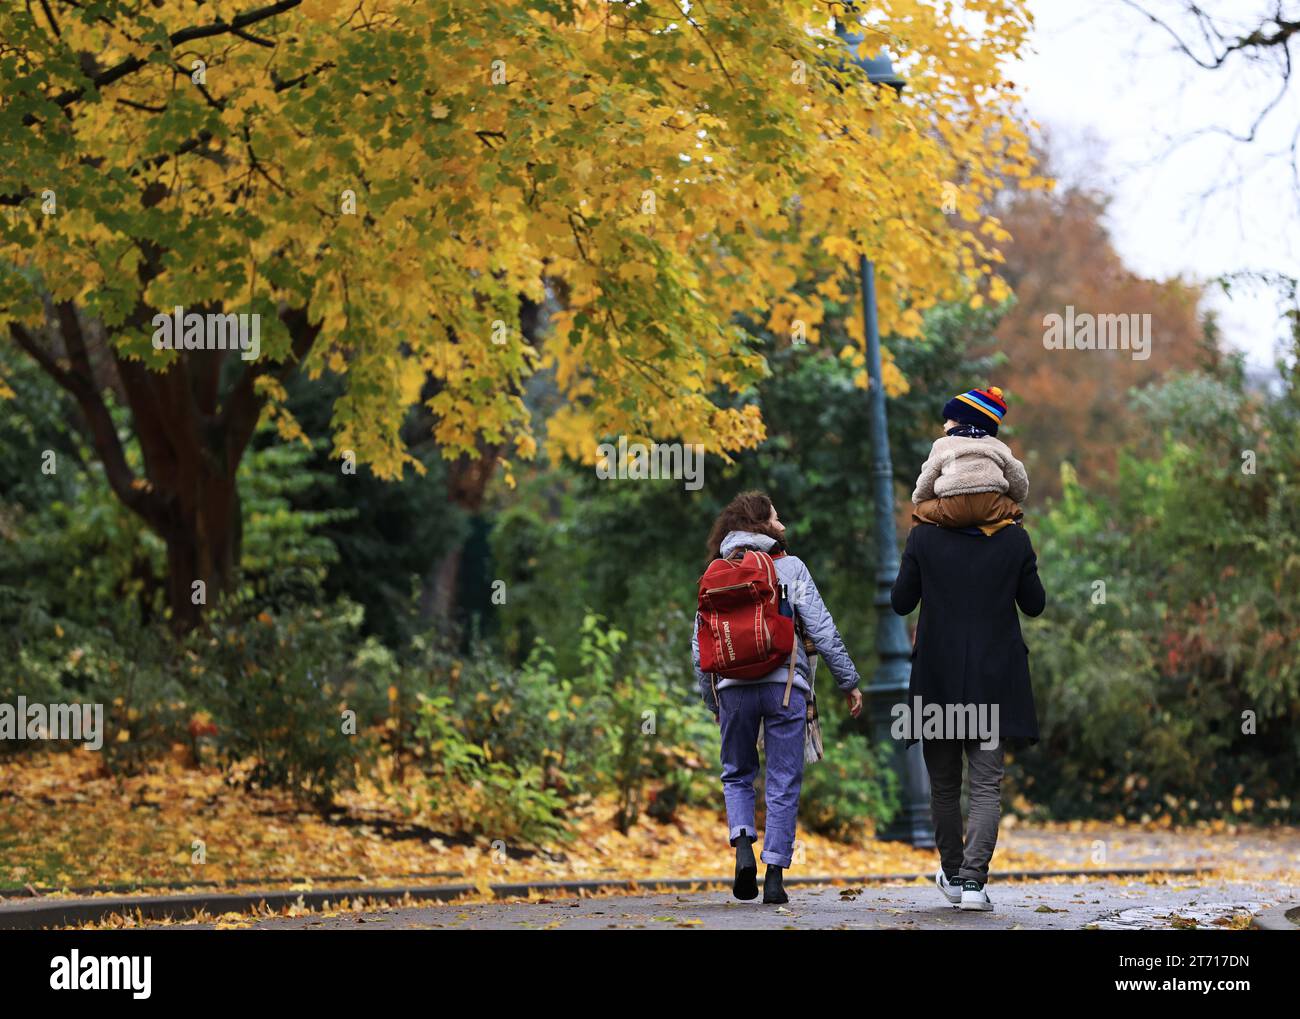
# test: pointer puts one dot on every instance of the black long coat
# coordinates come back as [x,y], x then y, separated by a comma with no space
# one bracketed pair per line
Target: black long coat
[969,649]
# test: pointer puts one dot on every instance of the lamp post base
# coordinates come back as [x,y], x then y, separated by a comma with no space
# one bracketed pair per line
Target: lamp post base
[912,823]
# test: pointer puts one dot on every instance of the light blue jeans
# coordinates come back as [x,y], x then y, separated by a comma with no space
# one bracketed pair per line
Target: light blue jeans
[741,708]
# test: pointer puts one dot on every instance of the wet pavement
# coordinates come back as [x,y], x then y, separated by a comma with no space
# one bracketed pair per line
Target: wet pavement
[1032,905]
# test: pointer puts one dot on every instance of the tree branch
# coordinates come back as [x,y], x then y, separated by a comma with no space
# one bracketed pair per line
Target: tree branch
[132,64]
[240,414]
[78,380]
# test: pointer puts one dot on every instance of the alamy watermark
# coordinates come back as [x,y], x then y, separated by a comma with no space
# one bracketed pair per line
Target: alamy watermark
[77,972]
[182,330]
[79,722]
[659,460]
[935,721]
[1085,331]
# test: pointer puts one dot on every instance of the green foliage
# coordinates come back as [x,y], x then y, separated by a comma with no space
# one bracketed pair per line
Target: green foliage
[387,535]
[273,685]
[622,721]
[74,550]
[483,795]
[69,548]
[852,785]
[1179,692]
[277,685]
[284,541]
[654,731]
[582,686]
[567,540]
[952,356]
[122,664]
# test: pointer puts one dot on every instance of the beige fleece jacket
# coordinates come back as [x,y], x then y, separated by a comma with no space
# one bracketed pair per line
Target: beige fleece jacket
[958,464]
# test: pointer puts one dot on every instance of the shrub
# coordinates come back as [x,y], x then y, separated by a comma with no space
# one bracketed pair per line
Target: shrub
[479,795]
[277,686]
[851,785]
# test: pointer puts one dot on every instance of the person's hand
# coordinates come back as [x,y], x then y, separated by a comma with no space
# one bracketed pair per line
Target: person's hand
[855,701]
[717,719]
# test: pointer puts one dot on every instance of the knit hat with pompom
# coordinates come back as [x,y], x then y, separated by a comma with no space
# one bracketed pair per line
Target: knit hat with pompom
[982,408]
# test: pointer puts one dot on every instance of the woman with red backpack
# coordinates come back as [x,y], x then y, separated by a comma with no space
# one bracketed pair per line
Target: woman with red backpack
[757,605]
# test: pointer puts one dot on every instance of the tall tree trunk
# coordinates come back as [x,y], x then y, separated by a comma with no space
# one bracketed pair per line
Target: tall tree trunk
[203,545]
[191,435]
[467,482]
[441,584]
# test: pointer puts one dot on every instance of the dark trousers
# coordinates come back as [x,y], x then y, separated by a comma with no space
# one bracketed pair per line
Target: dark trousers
[967,859]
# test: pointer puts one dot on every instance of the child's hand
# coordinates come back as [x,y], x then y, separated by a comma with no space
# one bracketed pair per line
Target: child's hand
[855,701]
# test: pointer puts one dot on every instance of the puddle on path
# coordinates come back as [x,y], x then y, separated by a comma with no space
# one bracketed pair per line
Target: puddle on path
[1190,916]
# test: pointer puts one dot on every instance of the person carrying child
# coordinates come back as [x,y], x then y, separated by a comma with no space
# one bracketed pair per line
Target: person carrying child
[971,478]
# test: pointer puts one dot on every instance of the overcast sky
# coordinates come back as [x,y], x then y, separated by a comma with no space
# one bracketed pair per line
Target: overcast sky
[1121,106]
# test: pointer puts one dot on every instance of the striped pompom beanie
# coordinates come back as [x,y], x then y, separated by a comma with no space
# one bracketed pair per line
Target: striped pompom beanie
[982,408]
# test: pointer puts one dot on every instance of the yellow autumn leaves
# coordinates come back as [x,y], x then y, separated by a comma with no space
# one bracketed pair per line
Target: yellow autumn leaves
[652,179]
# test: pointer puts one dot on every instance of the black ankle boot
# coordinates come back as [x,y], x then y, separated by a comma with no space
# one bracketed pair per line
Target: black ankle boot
[773,890]
[746,884]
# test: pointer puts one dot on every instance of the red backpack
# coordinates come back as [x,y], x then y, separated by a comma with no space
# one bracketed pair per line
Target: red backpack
[742,633]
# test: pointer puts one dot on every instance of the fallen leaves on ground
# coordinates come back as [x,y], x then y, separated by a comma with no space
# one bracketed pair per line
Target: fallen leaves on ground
[64,823]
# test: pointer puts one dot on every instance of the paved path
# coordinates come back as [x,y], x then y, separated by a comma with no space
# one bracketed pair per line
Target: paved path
[1254,852]
[1114,904]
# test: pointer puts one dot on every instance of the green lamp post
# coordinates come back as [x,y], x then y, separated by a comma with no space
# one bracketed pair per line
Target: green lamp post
[889,685]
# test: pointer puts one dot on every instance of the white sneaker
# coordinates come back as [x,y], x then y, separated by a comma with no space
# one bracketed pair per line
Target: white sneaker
[951,891]
[973,896]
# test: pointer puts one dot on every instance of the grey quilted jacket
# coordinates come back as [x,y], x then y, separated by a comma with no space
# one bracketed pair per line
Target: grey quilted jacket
[809,609]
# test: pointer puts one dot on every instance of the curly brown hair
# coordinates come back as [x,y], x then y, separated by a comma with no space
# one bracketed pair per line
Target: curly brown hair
[749,511]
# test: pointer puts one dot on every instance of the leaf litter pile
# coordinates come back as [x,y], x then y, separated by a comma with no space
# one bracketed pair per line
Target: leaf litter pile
[65,824]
